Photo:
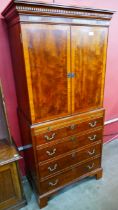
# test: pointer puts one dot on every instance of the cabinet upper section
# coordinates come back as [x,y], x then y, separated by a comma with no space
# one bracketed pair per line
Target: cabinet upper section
[59,58]
[65,68]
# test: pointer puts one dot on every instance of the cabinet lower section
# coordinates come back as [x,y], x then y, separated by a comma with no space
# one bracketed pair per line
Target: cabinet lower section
[63,151]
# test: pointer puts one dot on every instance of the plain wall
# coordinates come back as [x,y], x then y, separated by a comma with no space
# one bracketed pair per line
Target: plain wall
[111,83]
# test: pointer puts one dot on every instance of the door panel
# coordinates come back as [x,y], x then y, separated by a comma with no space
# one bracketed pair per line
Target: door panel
[47,49]
[88,63]
[10,191]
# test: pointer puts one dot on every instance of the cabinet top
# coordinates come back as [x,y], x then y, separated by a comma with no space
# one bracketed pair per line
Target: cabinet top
[8,152]
[19,7]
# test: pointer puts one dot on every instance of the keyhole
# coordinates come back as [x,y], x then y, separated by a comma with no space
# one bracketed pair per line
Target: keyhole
[73,155]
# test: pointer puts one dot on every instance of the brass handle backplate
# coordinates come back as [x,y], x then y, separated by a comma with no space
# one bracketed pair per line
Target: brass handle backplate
[50,138]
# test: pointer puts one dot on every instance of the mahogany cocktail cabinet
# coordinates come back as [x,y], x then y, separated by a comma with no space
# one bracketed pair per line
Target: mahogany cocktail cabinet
[59,60]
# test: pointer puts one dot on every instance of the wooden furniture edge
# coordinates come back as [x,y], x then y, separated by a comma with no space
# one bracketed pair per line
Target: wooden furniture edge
[22,7]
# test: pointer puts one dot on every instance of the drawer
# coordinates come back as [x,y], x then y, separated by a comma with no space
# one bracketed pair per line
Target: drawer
[69,176]
[68,131]
[75,157]
[67,144]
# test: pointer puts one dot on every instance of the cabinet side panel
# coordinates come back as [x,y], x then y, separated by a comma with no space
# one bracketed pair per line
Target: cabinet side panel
[29,153]
[19,69]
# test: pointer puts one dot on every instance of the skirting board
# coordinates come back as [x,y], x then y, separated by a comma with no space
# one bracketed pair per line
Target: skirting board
[115,136]
[111,121]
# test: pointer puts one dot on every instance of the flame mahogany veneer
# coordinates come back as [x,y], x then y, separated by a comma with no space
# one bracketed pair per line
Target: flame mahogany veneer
[59,59]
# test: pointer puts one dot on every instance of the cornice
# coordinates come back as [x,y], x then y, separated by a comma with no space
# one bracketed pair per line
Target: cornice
[17,7]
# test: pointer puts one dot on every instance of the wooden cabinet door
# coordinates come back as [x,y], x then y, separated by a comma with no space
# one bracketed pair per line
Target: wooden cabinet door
[47,59]
[88,47]
[10,189]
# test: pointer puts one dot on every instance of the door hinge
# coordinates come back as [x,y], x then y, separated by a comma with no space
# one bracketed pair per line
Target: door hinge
[71,75]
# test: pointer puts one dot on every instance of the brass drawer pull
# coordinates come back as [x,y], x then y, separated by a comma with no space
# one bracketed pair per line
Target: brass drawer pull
[91,153]
[73,138]
[73,127]
[92,138]
[53,183]
[52,169]
[51,153]
[50,138]
[90,166]
[93,124]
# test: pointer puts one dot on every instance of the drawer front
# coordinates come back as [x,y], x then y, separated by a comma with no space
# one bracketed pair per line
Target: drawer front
[68,131]
[75,157]
[67,145]
[69,176]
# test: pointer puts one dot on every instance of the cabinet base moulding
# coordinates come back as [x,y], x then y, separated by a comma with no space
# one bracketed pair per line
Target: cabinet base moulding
[19,205]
